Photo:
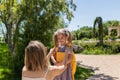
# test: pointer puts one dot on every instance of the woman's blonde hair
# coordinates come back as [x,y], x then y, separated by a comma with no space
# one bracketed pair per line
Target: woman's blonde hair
[35,56]
[65,33]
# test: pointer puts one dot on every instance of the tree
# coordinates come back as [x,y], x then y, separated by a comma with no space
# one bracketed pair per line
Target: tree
[24,13]
[98,23]
[83,32]
[110,23]
[27,20]
[11,17]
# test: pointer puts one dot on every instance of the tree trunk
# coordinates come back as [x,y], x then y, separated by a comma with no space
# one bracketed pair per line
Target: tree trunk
[9,37]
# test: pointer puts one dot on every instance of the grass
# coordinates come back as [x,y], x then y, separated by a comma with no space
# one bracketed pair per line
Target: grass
[83,73]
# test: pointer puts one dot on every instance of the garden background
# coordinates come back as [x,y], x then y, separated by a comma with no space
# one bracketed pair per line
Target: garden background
[22,21]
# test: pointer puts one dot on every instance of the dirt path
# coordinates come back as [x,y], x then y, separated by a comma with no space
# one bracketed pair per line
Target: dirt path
[106,67]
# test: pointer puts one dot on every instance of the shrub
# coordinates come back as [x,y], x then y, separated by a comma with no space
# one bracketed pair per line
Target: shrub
[75,42]
[116,48]
[107,48]
[106,37]
[85,39]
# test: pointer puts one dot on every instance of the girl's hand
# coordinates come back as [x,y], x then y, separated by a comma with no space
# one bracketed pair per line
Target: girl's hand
[51,53]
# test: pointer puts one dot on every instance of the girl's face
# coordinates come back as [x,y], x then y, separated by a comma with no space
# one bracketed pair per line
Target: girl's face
[61,39]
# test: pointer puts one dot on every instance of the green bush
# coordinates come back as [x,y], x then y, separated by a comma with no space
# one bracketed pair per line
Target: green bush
[116,48]
[75,42]
[85,39]
[106,37]
[10,65]
[107,48]
[3,54]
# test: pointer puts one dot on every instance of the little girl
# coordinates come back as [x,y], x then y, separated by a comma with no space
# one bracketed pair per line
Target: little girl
[62,43]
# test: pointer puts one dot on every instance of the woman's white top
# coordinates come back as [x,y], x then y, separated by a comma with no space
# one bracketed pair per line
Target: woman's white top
[27,78]
[31,78]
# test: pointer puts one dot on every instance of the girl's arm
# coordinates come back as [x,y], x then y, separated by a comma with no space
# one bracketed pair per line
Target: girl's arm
[57,70]
[50,55]
[53,59]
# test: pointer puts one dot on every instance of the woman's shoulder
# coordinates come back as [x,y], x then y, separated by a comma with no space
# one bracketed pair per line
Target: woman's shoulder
[24,72]
[24,69]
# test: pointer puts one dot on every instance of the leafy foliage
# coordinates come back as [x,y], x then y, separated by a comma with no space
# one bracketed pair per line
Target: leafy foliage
[27,20]
[42,14]
[4,52]
[107,48]
[84,32]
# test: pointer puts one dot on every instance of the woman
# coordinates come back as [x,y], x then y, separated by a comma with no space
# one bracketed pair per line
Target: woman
[37,65]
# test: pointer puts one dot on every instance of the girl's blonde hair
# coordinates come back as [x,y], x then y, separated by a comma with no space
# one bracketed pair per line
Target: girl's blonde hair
[65,33]
[35,56]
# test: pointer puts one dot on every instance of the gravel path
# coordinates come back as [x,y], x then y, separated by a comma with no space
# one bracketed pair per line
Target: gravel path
[106,67]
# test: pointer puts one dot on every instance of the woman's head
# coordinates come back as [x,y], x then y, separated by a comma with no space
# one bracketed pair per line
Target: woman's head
[62,37]
[35,56]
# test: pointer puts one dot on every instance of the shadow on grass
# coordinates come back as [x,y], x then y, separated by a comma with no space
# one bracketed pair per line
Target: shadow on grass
[82,73]
[95,76]
[79,63]
[102,77]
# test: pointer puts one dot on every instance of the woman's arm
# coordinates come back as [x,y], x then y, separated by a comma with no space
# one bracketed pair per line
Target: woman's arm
[57,70]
